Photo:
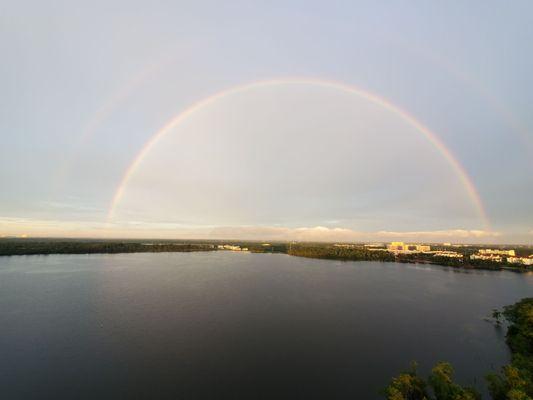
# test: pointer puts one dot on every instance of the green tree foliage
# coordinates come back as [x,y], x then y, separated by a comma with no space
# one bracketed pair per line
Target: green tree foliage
[330,252]
[515,382]
[350,252]
[361,253]
[409,386]
[497,315]
[43,247]
[441,381]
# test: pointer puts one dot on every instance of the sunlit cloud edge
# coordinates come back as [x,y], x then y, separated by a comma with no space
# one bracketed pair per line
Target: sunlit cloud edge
[27,227]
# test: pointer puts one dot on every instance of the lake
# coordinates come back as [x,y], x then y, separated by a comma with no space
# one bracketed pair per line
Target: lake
[240,325]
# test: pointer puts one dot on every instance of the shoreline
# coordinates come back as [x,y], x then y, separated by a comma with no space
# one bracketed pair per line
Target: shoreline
[89,248]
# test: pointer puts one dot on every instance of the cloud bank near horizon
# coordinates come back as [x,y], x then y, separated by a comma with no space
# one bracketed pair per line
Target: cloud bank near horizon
[321,233]
[21,227]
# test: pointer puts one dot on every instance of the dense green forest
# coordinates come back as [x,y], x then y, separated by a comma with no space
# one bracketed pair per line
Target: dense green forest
[514,382]
[11,247]
[352,252]
[30,247]
[259,247]
[361,253]
[339,253]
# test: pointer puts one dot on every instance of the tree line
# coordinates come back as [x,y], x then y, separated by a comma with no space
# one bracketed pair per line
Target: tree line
[514,382]
[361,253]
[34,247]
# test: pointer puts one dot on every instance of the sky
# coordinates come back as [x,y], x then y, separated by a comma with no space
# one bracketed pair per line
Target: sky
[289,120]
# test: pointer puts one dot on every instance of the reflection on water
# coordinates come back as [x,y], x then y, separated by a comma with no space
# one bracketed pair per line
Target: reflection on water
[207,325]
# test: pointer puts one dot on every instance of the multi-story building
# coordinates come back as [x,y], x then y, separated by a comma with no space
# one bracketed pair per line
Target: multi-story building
[422,248]
[497,252]
[401,247]
[231,247]
[487,257]
[521,260]
[450,254]
[345,245]
[396,246]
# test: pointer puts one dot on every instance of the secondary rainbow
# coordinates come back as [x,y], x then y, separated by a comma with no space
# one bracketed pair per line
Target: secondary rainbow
[432,138]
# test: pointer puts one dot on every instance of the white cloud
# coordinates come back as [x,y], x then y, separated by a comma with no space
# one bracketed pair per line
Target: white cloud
[140,229]
[452,233]
[317,233]
[321,233]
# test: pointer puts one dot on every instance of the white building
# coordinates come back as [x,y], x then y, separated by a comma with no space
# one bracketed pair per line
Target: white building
[520,260]
[497,252]
[231,247]
[401,247]
[486,257]
[450,254]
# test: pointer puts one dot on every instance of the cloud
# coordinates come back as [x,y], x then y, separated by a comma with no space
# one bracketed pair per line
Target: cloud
[321,233]
[140,229]
[10,226]
[456,233]
[317,233]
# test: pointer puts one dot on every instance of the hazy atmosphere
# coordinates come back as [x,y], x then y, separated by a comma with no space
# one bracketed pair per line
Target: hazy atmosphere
[267,120]
[266,200]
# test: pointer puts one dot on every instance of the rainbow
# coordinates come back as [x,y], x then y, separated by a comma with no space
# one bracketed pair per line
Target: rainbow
[430,136]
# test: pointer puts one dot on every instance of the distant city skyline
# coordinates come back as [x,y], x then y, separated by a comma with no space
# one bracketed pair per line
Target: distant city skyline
[282,121]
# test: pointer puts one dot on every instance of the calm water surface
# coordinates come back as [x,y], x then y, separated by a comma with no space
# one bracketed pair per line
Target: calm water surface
[239,325]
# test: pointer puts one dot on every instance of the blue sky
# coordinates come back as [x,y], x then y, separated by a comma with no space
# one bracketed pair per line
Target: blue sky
[85,86]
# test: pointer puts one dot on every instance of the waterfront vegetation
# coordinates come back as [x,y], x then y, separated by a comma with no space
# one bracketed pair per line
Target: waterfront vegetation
[362,253]
[351,252]
[439,386]
[514,382]
[9,247]
[331,252]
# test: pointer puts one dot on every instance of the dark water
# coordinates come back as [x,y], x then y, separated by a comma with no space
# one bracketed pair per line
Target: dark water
[232,325]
